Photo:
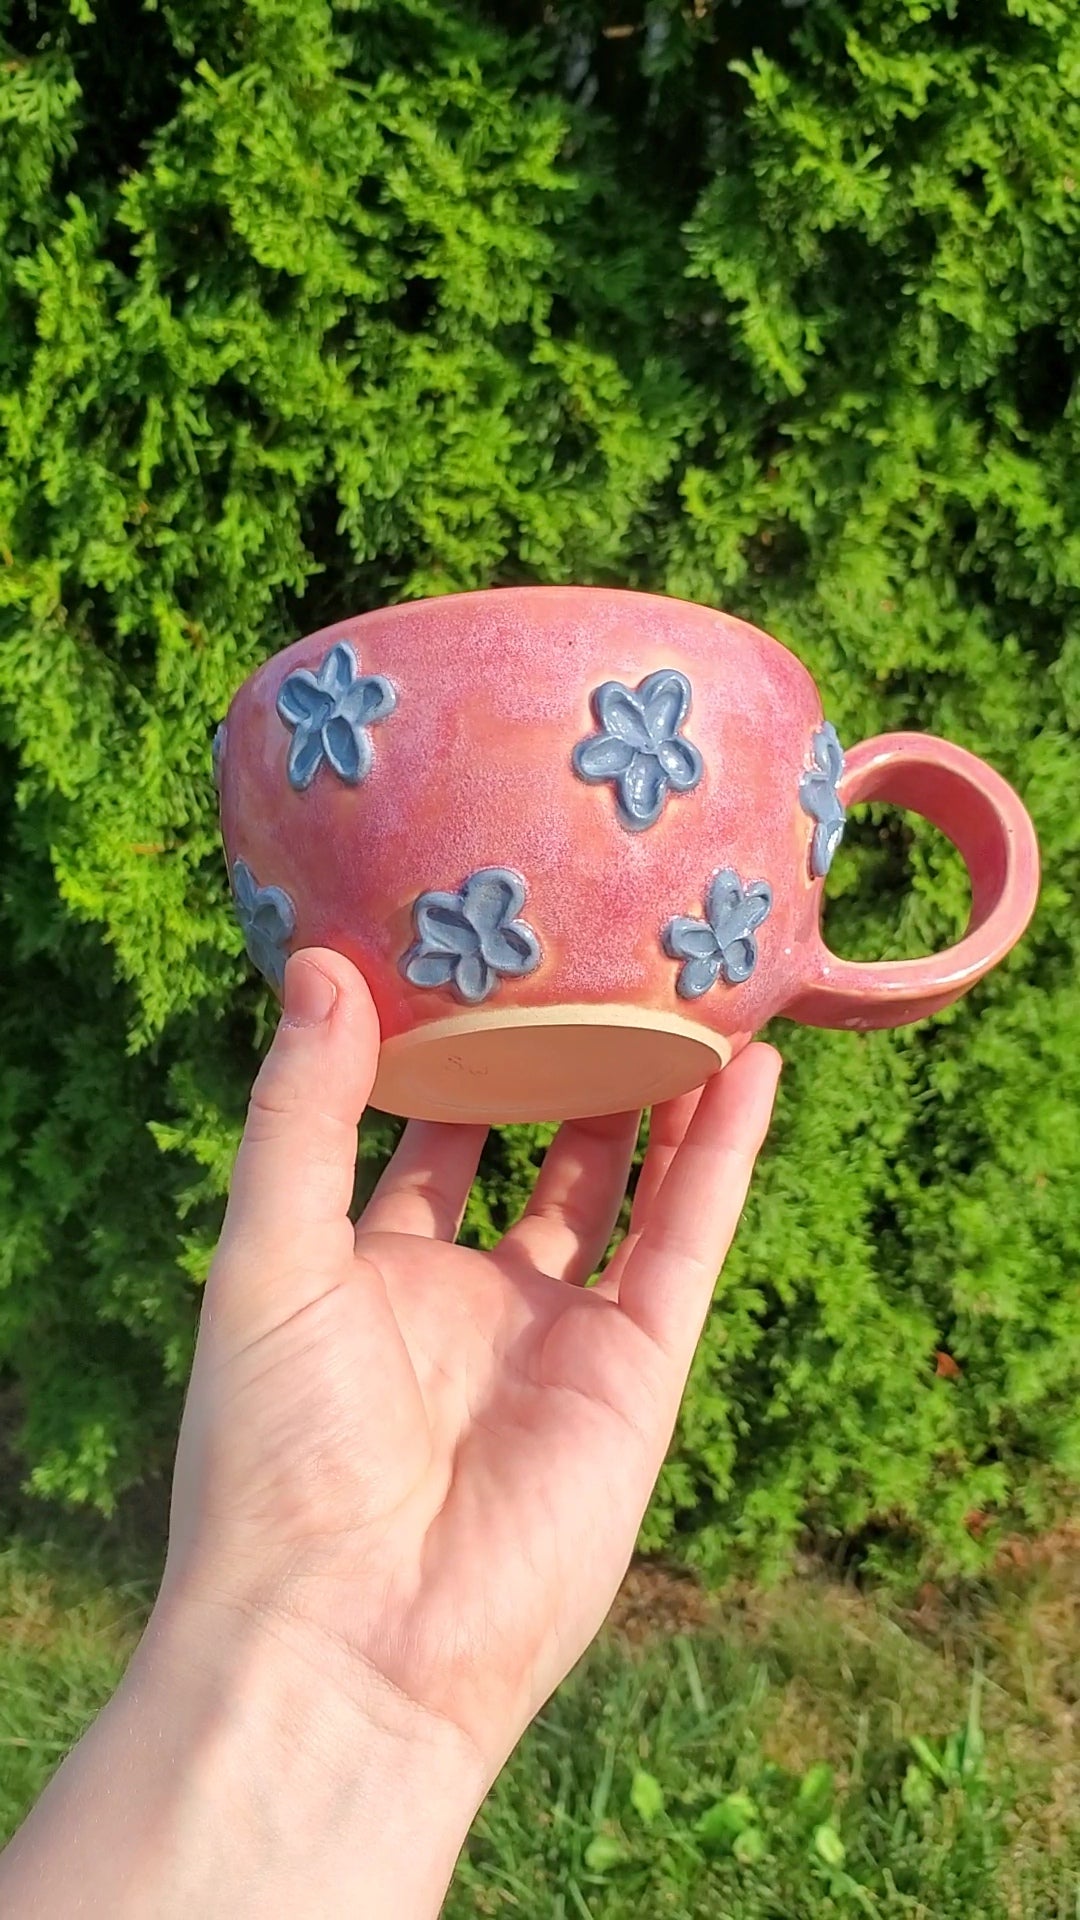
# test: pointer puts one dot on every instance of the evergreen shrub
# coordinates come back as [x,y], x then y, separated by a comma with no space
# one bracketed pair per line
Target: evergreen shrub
[308,306]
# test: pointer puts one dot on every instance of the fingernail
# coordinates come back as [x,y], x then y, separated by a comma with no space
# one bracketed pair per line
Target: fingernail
[309,994]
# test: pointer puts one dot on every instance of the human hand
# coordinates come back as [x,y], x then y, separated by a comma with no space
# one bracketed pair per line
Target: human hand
[409,1479]
[432,1461]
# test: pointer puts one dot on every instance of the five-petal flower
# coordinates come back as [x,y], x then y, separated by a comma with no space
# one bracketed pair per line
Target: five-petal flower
[469,939]
[638,745]
[268,921]
[722,945]
[330,713]
[820,798]
[217,753]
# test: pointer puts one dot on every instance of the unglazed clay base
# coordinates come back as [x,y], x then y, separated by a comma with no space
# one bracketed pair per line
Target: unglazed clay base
[553,1063]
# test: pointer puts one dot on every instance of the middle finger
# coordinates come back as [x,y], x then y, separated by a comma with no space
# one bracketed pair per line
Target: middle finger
[571,1215]
[667,1127]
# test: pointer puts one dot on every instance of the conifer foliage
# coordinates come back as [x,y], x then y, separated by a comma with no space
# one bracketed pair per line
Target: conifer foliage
[309,306]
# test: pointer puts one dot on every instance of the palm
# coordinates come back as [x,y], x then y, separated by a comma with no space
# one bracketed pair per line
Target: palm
[472,1437]
[541,1401]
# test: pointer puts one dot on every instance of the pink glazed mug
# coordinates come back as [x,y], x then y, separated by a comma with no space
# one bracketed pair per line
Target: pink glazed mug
[576,840]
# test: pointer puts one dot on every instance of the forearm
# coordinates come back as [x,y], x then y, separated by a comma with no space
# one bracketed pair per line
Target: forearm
[234,1773]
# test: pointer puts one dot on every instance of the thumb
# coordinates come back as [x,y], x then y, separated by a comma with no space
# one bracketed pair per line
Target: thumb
[293,1180]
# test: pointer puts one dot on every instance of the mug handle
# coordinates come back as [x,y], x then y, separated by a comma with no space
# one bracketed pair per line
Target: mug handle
[989,824]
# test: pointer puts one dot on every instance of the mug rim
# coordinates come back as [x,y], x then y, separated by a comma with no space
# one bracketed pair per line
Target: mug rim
[429,601]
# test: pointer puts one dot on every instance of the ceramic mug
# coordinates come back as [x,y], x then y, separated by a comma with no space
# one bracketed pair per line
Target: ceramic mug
[576,841]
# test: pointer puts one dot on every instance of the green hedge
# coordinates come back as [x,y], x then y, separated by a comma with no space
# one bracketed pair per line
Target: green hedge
[304,307]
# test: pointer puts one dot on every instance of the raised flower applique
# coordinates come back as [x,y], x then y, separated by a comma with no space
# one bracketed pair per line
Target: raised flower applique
[722,946]
[639,747]
[470,939]
[820,798]
[217,754]
[268,921]
[330,713]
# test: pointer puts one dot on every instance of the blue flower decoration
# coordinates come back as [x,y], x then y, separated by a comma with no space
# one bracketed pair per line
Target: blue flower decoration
[468,940]
[217,754]
[819,797]
[330,713]
[722,946]
[638,745]
[268,920]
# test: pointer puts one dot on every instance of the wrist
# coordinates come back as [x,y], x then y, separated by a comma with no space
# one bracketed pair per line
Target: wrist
[242,1769]
[314,1770]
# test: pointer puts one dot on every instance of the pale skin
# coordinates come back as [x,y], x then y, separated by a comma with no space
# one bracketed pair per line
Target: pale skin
[409,1481]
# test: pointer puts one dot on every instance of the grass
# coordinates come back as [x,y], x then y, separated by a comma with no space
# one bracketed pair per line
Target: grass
[64,1642]
[807,1752]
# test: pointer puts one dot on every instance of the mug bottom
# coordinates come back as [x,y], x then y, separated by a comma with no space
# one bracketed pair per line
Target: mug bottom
[504,1065]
